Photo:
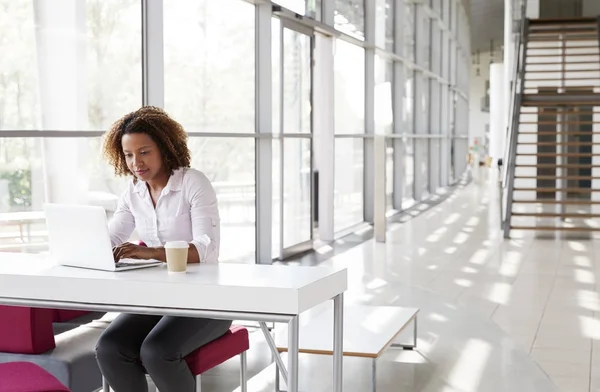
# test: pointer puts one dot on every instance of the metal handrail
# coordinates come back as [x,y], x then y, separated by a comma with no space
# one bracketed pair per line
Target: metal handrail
[512,128]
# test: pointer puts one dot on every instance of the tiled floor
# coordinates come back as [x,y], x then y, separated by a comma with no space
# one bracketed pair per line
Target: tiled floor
[491,309]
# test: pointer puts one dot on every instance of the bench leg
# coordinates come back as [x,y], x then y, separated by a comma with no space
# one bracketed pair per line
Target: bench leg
[105,386]
[277,378]
[243,372]
[374,376]
[198,383]
[406,346]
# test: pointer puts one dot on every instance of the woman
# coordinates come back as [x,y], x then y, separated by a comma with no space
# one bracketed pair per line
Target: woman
[165,201]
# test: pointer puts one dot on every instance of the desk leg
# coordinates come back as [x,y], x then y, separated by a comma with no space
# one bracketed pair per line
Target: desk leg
[338,342]
[293,342]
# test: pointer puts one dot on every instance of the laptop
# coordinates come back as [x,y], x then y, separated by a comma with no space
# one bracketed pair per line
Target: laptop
[78,237]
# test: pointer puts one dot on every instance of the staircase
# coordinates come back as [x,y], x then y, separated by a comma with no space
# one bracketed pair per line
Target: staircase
[553,176]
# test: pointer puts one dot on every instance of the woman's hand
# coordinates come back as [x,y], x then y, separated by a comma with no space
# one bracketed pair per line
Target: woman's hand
[132,251]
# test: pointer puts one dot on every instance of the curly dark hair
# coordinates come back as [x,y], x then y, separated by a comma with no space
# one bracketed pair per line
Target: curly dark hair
[167,133]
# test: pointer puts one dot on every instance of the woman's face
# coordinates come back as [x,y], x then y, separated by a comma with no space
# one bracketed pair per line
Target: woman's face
[142,155]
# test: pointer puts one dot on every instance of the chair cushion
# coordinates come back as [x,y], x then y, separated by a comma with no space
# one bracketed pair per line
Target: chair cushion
[26,330]
[27,377]
[234,342]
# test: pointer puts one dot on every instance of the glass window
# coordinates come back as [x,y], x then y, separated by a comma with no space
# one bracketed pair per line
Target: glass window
[408,164]
[349,89]
[384,24]
[389,175]
[209,64]
[409,101]
[229,164]
[349,17]
[409,31]
[423,38]
[384,119]
[78,63]
[348,183]
[76,173]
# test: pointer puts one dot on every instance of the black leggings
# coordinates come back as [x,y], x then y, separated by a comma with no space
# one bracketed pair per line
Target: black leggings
[133,344]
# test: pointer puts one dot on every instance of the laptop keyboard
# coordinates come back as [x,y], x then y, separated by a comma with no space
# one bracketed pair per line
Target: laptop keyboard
[133,262]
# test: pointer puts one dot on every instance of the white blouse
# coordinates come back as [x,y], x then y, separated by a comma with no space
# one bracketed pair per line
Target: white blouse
[186,210]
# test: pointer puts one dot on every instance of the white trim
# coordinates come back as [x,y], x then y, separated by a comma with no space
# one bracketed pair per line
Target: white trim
[264,146]
[153,70]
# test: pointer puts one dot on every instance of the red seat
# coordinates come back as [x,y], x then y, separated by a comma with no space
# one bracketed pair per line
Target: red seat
[234,342]
[27,377]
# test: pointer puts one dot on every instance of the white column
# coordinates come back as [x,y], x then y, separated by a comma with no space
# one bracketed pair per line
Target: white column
[533,9]
[497,112]
[323,133]
[264,146]
[153,53]
[369,197]
[508,57]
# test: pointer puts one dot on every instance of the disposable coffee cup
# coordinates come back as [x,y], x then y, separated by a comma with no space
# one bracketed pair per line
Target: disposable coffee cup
[177,254]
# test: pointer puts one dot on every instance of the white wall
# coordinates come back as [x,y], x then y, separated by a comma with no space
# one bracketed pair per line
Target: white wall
[478,119]
[591,7]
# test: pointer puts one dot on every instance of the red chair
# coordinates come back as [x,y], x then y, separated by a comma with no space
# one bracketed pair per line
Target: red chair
[235,342]
[28,377]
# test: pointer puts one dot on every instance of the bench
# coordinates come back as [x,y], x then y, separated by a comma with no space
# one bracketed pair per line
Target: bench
[368,332]
[28,377]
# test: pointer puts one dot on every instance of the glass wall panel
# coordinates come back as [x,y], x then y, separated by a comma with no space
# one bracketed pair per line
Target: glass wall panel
[423,38]
[384,73]
[409,31]
[349,90]
[408,164]
[349,183]
[409,103]
[350,17]
[209,64]
[69,65]
[384,24]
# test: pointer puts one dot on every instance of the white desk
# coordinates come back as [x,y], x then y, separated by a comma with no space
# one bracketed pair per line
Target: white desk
[229,291]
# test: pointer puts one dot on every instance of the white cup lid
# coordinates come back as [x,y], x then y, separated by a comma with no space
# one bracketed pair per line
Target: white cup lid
[176,245]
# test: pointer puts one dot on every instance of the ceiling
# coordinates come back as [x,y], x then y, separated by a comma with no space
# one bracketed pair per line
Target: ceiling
[487,23]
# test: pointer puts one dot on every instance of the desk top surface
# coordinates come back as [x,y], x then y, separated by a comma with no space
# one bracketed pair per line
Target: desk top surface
[232,287]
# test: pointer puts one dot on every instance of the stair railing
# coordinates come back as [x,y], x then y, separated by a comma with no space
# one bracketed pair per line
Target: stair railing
[510,151]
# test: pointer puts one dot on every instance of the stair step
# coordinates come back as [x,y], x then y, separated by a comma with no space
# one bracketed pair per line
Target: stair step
[558,122]
[576,20]
[563,55]
[558,79]
[561,70]
[564,39]
[534,103]
[557,154]
[556,133]
[550,178]
[556,215]
[564,63]
[571,144]
[564,112]
[567,48]
[554,228]
[565,202]
[555,166]
[554,190]
[563,31]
